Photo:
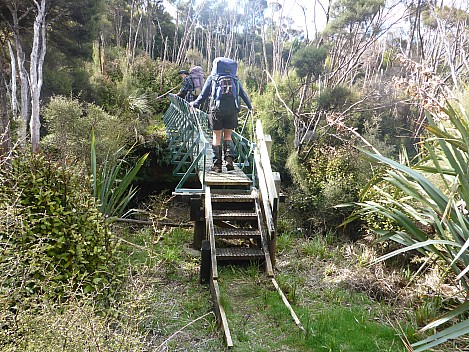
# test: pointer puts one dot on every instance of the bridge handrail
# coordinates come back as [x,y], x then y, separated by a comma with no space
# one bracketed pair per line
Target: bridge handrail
[187,141]
[266,181]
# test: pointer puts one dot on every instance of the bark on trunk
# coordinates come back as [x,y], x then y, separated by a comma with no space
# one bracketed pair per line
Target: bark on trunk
[38,53]
[5,141]
[14,85]
[23,74]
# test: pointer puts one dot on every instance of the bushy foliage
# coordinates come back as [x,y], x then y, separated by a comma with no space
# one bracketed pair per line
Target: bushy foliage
[334,98]
[330,176]
[118,88]
[64,76]
[430,210]
[69,124]
[310,60]
[53,237]
[276,120]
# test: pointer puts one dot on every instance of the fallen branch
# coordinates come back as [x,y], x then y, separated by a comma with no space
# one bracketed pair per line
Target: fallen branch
[285,301]
[160,347]
[149,222]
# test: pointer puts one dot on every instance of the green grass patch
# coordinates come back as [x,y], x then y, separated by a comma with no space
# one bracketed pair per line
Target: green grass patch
[349,329]
[334,320]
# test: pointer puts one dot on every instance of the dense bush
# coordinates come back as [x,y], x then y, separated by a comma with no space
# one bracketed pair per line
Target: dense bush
[118,88]
[53,238]
[69,125]
[329,177]
[276,121]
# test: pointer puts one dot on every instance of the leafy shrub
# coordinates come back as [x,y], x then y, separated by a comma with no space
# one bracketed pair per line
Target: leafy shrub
[70,122]
[146,78]
[53,237]
[334,98]
[309,60]
[276,121]
[328,177]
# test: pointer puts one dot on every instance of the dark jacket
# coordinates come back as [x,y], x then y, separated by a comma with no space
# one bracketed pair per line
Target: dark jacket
[186,91]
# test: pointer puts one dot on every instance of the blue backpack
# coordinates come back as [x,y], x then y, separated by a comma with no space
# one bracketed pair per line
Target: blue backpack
[225,84]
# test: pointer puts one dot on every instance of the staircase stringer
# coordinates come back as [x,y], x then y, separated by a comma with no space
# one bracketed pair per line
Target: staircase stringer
[214,288]
[264,239]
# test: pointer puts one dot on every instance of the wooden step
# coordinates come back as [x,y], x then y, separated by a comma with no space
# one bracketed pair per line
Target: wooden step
[231,197]
[245,215]
[236,233]
[237,253]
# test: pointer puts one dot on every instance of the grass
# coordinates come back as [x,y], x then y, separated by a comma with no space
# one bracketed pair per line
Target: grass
[334,320]
[161,306]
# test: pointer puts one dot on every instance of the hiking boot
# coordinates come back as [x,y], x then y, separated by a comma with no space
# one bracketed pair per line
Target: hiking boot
[228,149]
[216,158]
[229,163]
[216,168]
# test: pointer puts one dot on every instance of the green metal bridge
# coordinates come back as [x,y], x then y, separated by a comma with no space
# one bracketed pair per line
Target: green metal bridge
[235,212]
[191,147]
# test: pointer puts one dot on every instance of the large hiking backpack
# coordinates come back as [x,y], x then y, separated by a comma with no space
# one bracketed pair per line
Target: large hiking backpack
[225,84]
[197,75]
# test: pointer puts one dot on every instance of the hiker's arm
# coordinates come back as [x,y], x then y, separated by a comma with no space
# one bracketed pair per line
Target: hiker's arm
[245,97]
[186,87]
[204,94]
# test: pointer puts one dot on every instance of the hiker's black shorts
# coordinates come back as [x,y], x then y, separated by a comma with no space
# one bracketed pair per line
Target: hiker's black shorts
[219,120]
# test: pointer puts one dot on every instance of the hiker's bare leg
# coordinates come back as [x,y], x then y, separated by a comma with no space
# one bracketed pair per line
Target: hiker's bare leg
[217,137]
[227,134]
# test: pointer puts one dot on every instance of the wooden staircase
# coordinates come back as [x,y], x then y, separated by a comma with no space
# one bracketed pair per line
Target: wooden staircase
[235,231]
[238,227]
[235,220]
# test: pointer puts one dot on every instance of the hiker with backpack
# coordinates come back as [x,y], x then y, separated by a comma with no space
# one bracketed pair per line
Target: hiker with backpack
[224,90]
[198,79]
[192,83]
[187,90]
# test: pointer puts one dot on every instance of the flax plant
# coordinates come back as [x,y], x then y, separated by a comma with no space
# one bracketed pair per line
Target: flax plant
[112,183]
[432,213]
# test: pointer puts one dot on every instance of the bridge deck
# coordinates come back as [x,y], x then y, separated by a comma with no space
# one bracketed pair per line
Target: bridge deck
[235,177]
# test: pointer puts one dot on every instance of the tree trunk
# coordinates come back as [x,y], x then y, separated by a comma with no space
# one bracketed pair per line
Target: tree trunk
[303,94]
[38,53]
[131,28]
[14,86]
[264,49]
[5,141]
[21,58]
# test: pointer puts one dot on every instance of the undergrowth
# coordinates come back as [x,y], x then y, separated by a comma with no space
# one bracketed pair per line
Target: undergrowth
[160,305]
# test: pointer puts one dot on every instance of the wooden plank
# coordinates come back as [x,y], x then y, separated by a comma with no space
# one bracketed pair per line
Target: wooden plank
[210,231]
[264,197]
[220,312]
[265,245]
[265,163]
[235,177]
[285,301]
